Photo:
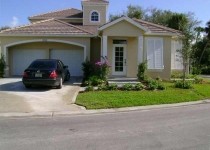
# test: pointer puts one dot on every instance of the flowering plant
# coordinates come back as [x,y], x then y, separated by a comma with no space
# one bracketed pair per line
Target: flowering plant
[102,68]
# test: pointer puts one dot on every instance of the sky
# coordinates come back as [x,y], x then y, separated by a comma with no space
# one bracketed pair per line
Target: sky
[16,12]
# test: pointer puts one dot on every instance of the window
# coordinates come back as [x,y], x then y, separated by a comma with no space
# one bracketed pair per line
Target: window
[94,16]
[155,53]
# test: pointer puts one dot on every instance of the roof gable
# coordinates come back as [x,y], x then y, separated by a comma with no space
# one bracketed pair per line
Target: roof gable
[124,18]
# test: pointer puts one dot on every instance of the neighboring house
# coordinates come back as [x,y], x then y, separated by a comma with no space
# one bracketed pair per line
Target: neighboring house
[73,36]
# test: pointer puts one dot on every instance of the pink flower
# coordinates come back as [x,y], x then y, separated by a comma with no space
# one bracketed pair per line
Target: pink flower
[99,63]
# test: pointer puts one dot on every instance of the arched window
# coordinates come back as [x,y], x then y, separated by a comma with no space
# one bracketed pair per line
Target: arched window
[94,16]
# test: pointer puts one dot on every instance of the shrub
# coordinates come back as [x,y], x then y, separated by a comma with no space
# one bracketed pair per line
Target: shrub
[102,87]
[142,67]
[88,70]
[89,88]
[161,86]
[183,85]
[127,87]
[2,65]
[176,74]
[198,80]
[159,79]
[112,87]
[152,84]
[138,87]
[95,81]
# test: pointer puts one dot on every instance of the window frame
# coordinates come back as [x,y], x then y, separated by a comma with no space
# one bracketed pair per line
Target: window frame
[91,13]
[155,39]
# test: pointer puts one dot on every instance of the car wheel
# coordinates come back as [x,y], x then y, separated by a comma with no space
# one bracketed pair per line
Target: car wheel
[67,77]
[27,86]
[60,84]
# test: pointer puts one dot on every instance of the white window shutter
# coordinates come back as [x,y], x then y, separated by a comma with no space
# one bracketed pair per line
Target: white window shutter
[158,54]
[150,53]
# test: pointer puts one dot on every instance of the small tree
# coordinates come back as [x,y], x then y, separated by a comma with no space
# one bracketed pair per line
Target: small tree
[186,51]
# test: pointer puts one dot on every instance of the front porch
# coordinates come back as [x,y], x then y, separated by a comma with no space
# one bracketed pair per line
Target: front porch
[123,45]
[123,54]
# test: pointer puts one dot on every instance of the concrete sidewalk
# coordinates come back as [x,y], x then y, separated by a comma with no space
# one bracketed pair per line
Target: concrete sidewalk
[83,111]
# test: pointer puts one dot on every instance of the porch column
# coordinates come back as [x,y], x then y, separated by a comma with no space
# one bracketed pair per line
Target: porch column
[140,49]
[104,49]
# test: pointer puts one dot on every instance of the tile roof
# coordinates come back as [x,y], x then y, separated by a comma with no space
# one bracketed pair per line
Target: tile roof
[60,14]
[155,28]
[91,28]
[48,27]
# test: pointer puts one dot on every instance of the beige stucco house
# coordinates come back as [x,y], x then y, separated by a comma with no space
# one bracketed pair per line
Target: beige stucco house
[73,36]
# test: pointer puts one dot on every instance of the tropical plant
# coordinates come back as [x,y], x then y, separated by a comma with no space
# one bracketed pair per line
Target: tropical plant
[2,65]
[142,67]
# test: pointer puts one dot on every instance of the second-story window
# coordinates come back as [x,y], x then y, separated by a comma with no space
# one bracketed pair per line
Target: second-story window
[95,16]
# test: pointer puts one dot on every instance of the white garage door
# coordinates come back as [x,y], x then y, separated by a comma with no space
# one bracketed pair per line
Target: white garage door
[23,58]
[72,58]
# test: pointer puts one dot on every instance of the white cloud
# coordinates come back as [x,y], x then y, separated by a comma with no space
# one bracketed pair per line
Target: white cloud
[15,21]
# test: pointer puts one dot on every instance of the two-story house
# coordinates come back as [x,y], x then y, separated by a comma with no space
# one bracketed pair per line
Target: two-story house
[73,36]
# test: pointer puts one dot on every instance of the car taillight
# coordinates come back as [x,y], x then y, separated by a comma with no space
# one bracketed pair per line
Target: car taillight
[25,75]
[53,74]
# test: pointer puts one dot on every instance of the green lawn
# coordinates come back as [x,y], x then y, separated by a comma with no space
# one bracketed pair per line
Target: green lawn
[117,99]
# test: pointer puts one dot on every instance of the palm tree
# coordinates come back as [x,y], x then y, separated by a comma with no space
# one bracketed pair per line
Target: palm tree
[207,30]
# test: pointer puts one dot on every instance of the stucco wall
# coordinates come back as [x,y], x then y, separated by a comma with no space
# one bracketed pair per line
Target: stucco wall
[5,41]
[87,9]
[131,53]
[95,50]
[166,72]
[123,28]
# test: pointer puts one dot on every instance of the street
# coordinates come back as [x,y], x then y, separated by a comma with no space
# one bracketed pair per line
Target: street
[183,128]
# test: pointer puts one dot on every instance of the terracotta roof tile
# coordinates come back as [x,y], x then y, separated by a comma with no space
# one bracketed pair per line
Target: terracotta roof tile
[66,13]
[48,27]
[91,28]
[155,28]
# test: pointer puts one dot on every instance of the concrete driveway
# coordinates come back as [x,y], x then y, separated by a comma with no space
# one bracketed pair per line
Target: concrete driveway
[14,97]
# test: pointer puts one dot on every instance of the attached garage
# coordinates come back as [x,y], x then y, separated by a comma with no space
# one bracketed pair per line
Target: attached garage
[21,59]
[72,58]
[21,56]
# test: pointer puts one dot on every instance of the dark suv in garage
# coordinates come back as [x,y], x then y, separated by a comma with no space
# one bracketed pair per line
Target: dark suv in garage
[46,72]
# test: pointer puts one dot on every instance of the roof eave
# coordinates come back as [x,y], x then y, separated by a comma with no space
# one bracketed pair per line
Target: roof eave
[44,35]
[162,34]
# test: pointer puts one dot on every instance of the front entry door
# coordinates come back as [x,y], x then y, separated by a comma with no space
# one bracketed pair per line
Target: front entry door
[119,60]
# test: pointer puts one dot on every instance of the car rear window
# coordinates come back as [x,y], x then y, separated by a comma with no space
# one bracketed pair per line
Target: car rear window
[43,64]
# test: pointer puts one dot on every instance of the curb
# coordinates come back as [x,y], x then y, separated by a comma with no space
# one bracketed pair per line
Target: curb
[101,111]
